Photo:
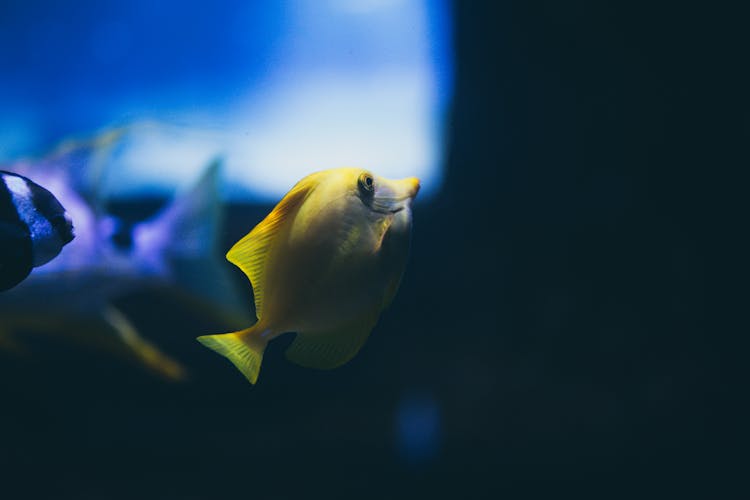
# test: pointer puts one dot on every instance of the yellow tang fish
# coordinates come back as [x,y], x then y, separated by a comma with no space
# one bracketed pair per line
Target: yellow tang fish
[324,263]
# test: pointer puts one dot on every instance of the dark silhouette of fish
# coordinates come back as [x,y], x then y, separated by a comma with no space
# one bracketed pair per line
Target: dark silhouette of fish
[34,227]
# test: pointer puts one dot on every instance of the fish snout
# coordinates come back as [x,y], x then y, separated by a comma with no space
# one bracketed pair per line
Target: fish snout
[63,224]
[412,185]
[70,233]
[395,195]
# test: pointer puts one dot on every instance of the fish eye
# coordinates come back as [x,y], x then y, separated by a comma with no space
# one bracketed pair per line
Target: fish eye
[366,182]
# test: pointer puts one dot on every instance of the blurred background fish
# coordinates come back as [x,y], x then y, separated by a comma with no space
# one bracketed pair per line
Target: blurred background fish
[34,227]
[173,252]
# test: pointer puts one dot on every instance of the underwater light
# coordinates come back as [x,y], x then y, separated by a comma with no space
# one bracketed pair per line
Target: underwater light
[277,90]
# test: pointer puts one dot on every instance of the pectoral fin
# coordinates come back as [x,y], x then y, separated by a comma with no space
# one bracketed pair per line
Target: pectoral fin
[395,252]
[327,350]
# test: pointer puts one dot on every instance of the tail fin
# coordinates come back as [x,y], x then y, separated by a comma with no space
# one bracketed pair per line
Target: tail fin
[188,227]
[244,349]
[182,242]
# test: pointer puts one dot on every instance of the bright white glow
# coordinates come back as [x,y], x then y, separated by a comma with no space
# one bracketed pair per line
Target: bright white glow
[364,6]
[379,123]
[325,123]
[350,84]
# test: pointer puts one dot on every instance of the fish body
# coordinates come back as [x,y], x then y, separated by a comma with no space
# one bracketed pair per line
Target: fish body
[34,227]
[323,264]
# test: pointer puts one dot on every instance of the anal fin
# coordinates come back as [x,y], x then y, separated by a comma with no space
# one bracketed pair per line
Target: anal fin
[328,350]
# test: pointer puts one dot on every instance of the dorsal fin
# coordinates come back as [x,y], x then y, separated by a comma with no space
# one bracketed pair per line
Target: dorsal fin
[250,253]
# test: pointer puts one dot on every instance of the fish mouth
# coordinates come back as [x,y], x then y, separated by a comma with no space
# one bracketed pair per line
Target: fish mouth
[391,205]
[70,236]
[64,227]
[395,196]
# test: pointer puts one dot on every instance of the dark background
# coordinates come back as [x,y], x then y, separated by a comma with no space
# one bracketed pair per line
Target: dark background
[568,306]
